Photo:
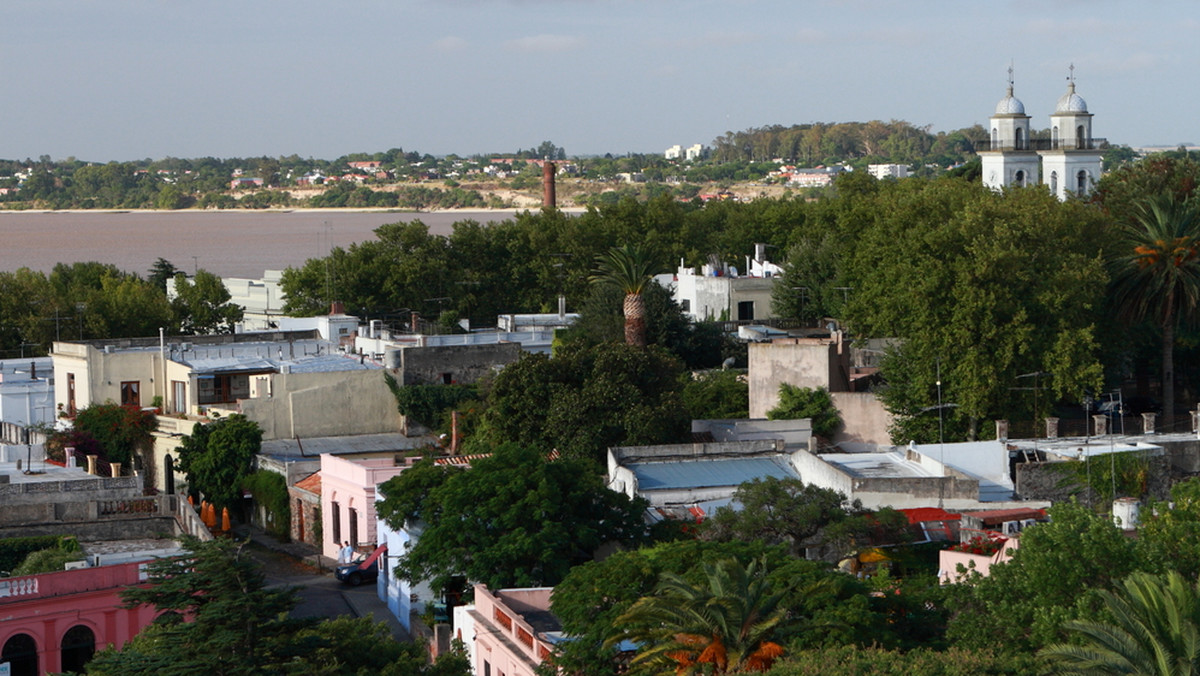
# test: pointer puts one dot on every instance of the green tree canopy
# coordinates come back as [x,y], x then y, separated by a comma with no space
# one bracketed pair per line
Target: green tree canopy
[121,431]
[1022,604]
[515,519]
[216,457]
[1154,629]
[582,400]
[724,625]
[202,304]
[805,402]
[984,287]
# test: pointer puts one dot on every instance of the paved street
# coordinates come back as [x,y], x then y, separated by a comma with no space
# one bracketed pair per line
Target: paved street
[321,595]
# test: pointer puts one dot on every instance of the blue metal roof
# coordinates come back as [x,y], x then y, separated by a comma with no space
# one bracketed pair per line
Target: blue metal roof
[653,476]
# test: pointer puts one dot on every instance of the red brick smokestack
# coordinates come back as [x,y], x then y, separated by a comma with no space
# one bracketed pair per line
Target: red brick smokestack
[548,197]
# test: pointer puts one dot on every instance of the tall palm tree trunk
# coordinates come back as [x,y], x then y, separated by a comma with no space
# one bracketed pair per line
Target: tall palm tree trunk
[635,319]
[1168,373]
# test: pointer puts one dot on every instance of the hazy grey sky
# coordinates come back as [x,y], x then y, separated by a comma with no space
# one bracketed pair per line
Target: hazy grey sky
[127,79]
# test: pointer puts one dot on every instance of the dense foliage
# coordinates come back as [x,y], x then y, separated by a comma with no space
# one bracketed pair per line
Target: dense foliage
[270,492]
[515,519]
[583,400]
[119,431]
[805,402]
[217,455]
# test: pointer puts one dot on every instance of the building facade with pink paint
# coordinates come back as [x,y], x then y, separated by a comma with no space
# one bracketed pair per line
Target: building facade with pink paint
[508,632]
[348,487]
[55,622]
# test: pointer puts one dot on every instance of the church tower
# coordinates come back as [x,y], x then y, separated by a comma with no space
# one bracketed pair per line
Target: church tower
[1009,159]
[1073,163]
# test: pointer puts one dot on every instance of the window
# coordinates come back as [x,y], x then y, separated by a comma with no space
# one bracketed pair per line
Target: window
[178,396]
[353,527]
[1019,179]
[1054,182]
[487,668]
[131,393]
[745,311]
[1020,145]
[70,394]
[336,516]
[1082,180]
[685,305]
[447,379]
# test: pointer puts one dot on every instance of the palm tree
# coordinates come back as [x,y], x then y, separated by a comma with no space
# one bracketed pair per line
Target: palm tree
[629,269]
[721,627]
[1155,631]
[1159,279]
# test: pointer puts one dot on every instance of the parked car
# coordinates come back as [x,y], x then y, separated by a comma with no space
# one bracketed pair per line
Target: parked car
[355,573]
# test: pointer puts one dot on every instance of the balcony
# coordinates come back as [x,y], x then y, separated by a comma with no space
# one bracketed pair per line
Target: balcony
[1042,144]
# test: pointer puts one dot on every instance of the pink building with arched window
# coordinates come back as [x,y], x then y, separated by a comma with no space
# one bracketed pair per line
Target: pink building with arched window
[55,622]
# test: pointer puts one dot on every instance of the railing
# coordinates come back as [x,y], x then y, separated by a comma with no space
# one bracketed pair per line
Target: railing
[986,145]
[135,506]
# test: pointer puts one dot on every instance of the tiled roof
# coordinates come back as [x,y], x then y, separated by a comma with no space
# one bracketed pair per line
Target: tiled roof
[310,483]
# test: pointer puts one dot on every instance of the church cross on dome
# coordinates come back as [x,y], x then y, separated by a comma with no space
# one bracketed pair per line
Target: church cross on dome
[1071,77]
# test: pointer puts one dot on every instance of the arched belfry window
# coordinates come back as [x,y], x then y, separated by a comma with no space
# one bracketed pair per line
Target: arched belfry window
[995,138]
[1020,139]
[1054,182]
[1080,137]
[1019,178]
[1081,183]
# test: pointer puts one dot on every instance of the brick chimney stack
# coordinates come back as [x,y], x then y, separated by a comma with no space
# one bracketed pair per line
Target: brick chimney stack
[548,197]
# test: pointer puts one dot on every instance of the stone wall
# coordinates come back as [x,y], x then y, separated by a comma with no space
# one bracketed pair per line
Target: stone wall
[463,364]
[115,529]
[1057,481]
[70,490]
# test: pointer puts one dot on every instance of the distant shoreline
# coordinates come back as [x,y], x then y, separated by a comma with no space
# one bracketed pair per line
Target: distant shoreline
[324,210]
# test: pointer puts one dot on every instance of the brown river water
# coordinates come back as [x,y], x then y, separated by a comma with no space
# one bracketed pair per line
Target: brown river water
[226,243]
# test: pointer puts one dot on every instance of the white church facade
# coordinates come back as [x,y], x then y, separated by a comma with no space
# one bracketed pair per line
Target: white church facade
[1069,162]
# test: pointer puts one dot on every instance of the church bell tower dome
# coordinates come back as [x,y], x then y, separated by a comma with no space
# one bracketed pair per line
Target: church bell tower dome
[1011,105]
[1071,102]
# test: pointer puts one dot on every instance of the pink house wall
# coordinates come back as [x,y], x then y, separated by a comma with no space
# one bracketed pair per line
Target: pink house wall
[46,606]
[351,482]
[949,561]
[503,639]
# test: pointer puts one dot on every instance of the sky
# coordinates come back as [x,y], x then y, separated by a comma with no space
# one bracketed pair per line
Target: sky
[104,80]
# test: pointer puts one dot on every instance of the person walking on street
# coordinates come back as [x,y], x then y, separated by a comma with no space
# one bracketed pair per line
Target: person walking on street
[346,553]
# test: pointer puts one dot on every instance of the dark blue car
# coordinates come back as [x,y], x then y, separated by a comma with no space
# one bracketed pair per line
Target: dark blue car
[356,573]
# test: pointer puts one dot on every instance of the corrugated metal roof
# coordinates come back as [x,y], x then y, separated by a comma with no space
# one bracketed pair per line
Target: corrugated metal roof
[654,476]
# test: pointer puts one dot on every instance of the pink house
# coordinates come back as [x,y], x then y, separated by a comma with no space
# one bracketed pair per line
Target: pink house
[348,497]
[54,622]
[508,632]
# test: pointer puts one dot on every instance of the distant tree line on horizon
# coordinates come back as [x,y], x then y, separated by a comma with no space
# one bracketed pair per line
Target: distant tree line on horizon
[743,156]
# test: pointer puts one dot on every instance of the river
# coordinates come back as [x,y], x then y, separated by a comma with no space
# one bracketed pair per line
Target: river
[226,243]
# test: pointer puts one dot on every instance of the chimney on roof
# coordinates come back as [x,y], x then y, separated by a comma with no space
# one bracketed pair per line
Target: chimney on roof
[337,308]
[548,197]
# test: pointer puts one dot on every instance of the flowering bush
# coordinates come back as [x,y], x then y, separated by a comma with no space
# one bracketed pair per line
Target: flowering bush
[980,544]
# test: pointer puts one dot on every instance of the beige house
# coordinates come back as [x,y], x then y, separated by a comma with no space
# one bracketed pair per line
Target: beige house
[830,363]
[293,384]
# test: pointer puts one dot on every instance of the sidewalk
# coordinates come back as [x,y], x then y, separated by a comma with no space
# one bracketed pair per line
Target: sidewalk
[362,601]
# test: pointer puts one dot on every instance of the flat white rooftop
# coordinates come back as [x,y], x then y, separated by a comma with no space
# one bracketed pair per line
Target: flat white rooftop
[891,465]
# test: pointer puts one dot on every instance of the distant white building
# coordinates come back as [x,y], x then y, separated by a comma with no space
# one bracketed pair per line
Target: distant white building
[882,171]
[673,153]
[721,291]
[694,152]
